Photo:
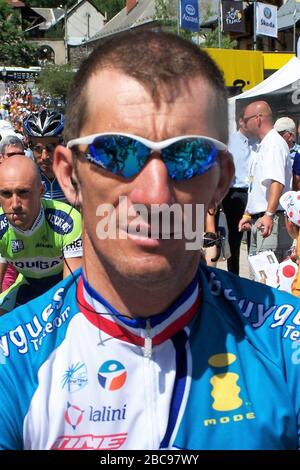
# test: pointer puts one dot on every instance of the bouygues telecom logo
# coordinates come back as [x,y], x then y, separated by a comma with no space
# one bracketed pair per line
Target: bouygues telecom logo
[112,375]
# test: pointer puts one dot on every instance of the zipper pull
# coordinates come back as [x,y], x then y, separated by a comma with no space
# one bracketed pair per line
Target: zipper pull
[148,341]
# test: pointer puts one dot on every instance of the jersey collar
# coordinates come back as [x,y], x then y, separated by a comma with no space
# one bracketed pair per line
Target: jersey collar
[162,326]
[35,226]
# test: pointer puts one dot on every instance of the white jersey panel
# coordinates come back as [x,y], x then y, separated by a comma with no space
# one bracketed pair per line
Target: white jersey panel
[102,394]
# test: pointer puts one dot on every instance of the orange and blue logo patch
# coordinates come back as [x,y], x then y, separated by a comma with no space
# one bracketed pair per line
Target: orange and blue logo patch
[112,375]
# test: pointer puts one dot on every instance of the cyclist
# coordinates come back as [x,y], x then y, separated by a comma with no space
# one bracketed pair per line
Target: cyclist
[44,131]
[145,348]
[40,238]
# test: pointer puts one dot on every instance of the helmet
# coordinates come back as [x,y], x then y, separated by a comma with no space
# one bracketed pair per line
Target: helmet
[44,124]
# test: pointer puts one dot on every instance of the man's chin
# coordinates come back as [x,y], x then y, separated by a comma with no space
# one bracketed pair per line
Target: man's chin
[147,272]
[47,171]
[18,223]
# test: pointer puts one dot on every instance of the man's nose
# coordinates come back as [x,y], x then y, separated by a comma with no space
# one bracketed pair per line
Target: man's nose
[16,201]
[153,185]
[45,154]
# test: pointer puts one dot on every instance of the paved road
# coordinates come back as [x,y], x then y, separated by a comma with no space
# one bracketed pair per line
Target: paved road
[244,266]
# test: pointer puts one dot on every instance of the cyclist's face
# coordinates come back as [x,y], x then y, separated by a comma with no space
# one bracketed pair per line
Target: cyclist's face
[20,193]
[43,149]
[126,106]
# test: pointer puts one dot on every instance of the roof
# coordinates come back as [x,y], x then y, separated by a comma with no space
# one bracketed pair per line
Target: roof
[15,3]
[142,13]
[209,5]
[54,15]
[51,16]
[288,14]
[79,4]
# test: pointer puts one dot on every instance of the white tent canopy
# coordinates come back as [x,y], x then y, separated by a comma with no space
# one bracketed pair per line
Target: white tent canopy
[285,76]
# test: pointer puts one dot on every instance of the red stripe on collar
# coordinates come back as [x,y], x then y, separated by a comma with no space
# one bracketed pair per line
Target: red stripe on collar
[120,332]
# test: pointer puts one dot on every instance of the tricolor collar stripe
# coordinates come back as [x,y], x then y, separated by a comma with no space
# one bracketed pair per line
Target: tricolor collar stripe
[184,302]
[110,327]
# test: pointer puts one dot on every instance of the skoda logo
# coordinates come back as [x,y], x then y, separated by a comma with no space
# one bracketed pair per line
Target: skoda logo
[267,13]
[190,10]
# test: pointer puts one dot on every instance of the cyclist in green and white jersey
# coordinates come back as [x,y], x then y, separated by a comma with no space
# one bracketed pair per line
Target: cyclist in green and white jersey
[41,238]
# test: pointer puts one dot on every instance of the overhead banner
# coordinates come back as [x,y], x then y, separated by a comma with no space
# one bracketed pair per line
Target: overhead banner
[266,20]
[241,68]
[233,19]
[189,15]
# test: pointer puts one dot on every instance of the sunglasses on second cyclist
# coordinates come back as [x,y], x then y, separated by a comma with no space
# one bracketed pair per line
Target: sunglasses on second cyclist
[48,147]
[126,154]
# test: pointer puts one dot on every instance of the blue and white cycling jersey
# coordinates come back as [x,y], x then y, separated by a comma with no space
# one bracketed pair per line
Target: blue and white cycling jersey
[220,369]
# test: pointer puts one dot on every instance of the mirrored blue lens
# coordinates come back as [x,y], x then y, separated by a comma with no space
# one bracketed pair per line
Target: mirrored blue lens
[190,157]
[119,154]
[126,157]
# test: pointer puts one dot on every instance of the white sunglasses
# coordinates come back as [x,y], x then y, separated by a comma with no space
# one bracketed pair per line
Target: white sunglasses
[126,154]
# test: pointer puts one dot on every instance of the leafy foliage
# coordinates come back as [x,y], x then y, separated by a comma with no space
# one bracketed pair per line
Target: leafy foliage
[50,3]
[14,49]
[212,40]
[55,80]
[166,13]
[111,7]
[211,36]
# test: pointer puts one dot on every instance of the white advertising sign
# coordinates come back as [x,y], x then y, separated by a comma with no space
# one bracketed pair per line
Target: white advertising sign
[266,20]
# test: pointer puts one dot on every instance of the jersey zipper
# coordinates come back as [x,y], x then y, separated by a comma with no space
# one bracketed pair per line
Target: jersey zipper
[150,389]
[148,341]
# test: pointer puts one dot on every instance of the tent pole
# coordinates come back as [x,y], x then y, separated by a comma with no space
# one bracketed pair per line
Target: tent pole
[219,26]
[294,30]
[254,25]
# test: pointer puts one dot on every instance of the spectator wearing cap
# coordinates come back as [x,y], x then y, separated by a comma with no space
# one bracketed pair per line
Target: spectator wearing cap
[286,127]
[290,201]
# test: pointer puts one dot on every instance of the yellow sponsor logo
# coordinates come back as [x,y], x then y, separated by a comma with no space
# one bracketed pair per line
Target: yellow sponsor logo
[225,391]
[228,419]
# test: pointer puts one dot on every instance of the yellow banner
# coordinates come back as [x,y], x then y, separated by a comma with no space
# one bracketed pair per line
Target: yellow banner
[276,60]
[241,68]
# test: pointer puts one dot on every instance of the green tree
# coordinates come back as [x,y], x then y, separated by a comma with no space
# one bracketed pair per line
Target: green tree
[111,7]
[55,80]
[165,11]
[14,49]
[166,14]
[211,36]
[50,3]
[212,39]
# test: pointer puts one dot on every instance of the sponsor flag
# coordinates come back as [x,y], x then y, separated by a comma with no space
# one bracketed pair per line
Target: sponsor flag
[189,15]
[233,16]
[266,20]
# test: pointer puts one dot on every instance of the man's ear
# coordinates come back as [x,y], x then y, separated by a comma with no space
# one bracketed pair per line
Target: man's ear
[42,190]
[227,170]
[63,168]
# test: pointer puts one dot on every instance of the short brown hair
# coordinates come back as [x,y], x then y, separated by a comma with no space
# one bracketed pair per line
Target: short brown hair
[160,61]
